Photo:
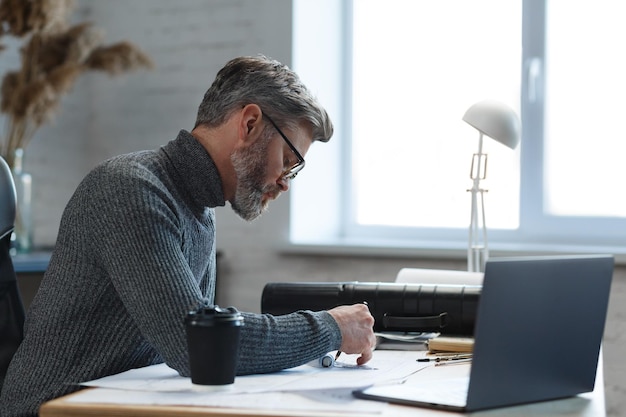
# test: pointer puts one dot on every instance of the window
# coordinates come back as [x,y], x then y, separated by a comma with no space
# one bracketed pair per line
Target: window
[585,109]
[411,151]
[397,86]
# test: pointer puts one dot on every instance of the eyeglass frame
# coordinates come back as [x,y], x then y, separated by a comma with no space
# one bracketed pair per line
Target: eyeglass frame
[292,172]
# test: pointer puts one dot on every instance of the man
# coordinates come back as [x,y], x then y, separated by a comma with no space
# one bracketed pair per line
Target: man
[136,246]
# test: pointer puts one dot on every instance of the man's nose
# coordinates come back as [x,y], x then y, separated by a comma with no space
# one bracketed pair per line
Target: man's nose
[283,184]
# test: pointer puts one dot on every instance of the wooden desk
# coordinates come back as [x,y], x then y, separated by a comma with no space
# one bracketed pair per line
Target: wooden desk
[61,408]
[585,405]
[579,406]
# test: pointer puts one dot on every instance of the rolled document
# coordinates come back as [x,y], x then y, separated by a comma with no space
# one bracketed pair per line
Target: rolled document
[438,276]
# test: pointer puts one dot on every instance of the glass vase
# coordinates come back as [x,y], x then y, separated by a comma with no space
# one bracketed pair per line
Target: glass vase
[23,232]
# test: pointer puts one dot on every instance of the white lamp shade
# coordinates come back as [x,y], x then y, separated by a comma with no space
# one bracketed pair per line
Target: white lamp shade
[496,120]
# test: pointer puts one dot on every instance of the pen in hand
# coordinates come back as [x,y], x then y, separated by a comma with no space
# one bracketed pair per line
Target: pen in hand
[339,351]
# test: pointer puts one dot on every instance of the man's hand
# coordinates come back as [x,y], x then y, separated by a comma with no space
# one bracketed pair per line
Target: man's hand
[357,334]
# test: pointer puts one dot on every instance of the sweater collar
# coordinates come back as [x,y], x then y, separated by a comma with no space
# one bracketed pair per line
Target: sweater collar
[196,170]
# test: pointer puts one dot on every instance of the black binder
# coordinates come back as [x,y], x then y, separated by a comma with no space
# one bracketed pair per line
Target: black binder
[448,309]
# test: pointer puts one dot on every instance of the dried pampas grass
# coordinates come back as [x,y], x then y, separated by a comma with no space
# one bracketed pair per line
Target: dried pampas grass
[118,58]
[22,17]
[53,56]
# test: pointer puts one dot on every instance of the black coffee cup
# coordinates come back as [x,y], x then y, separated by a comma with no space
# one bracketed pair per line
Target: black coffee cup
[213,343]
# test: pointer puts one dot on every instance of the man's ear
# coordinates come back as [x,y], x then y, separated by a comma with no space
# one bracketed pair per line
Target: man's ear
[251,123]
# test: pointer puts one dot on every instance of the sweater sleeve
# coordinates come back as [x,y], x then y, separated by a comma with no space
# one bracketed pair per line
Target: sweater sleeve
[270,343]
[141,243]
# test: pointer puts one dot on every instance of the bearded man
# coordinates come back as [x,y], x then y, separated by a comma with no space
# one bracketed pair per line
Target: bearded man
[136,247]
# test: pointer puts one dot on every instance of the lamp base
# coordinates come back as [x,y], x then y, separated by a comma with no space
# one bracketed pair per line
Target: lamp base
[476,258]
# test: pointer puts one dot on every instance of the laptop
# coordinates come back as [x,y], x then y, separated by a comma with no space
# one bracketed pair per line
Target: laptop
[537,334]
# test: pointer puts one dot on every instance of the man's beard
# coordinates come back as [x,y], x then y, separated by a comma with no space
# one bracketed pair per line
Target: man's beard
[250,166]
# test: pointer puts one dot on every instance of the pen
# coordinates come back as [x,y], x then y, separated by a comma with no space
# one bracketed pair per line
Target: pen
[454,362]
[447,358]
[339,352]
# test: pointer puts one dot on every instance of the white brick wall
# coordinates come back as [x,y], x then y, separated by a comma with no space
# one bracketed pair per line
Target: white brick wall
[189,40]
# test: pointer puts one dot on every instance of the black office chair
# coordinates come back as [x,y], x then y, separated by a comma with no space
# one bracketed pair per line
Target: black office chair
[11,307]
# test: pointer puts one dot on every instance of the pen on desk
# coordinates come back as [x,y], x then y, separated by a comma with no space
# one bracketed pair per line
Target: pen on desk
[339,352]
[447,358]
[454,362]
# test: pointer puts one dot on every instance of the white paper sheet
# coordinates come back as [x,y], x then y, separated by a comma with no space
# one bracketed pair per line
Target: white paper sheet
[324,400]
[385,366]
[302,388]
[438,276]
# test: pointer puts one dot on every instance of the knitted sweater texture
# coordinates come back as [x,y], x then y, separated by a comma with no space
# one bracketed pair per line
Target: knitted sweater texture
[136,252]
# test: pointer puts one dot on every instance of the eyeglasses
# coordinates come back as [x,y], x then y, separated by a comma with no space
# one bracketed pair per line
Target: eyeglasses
[290,172]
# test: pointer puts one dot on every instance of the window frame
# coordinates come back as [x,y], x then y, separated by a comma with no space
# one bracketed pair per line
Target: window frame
[538,231]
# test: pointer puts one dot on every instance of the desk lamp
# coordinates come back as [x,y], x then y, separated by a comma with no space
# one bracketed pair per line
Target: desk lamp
[499,122]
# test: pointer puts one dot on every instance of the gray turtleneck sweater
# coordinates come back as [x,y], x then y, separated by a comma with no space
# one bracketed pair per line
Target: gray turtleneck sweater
[136,252]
